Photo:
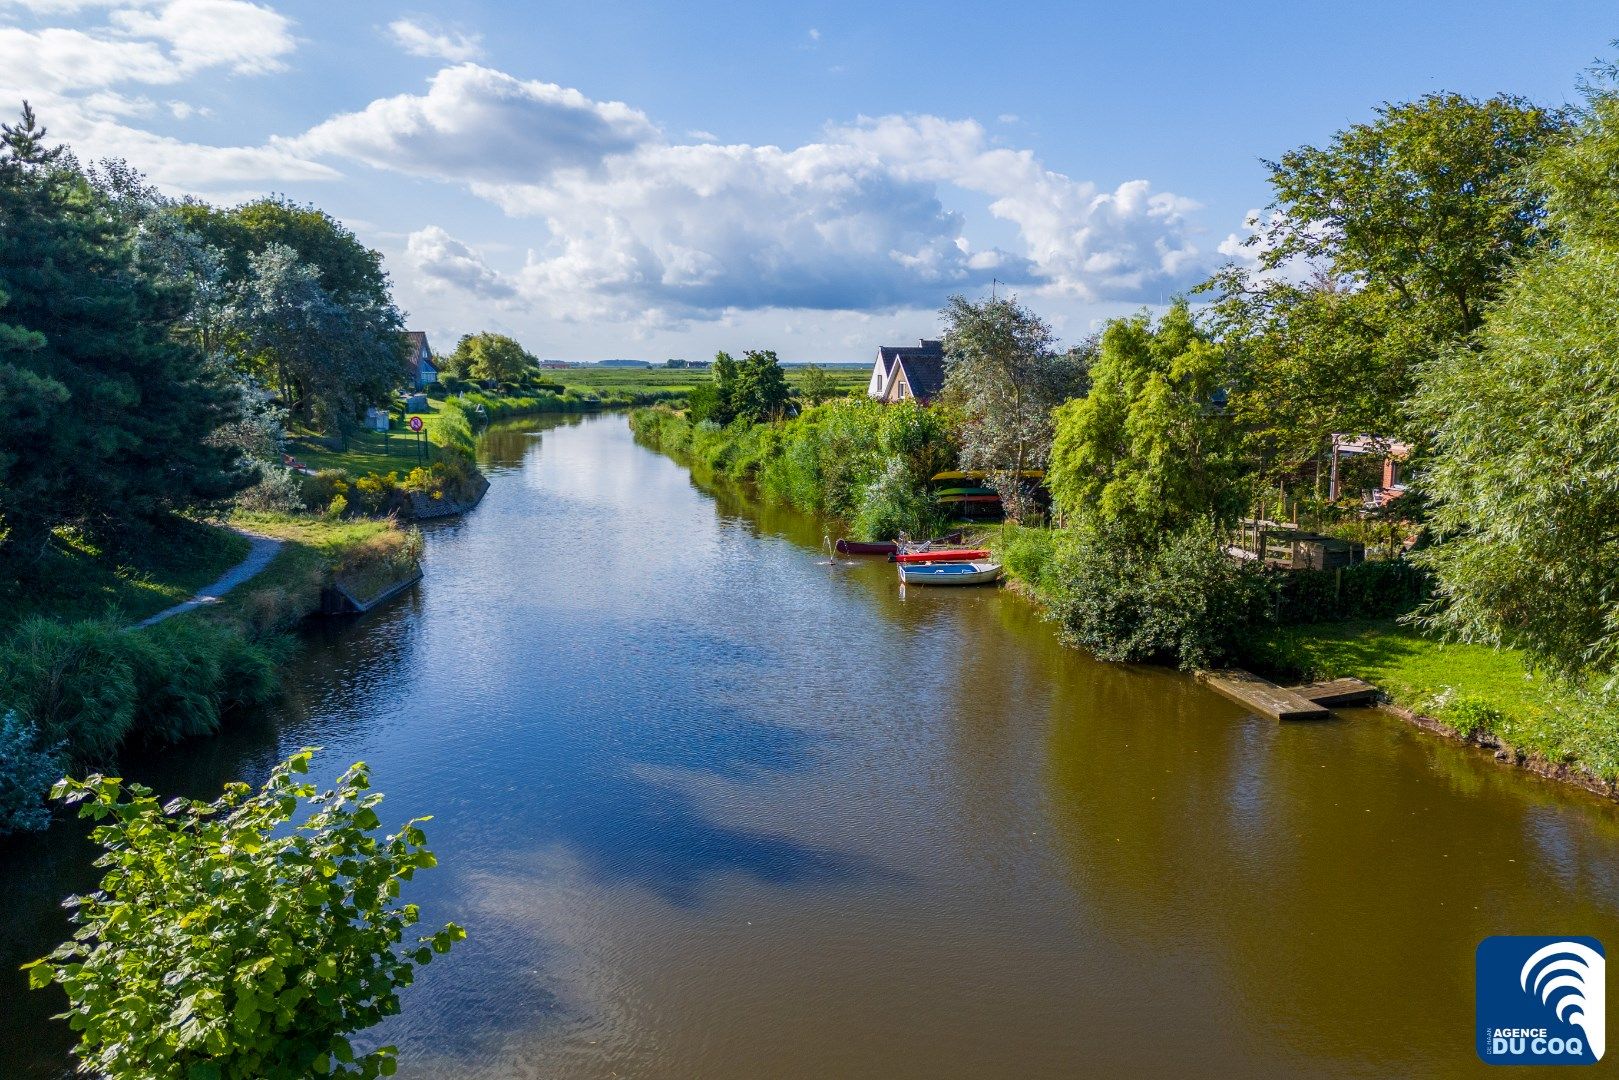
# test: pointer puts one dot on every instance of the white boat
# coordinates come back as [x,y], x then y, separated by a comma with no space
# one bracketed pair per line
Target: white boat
[949,573]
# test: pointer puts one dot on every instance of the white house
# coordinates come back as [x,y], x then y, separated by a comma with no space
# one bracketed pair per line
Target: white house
[907,371]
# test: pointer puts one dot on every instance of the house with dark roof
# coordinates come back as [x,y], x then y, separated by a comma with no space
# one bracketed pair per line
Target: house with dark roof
[908,371]
[422,369]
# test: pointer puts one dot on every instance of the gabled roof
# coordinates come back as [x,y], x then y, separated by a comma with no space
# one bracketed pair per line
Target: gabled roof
[416,340]
[924,372]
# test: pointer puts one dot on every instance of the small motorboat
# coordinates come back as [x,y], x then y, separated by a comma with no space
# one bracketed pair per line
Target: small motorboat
[886,547]
[942,555]
[949,573]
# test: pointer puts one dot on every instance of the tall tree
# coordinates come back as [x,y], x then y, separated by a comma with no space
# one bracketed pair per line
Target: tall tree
[491,356]
[104,409]
[1378,251]
[1006,376]
[1525,493]
[1151,449]
[328,358]
[759,390]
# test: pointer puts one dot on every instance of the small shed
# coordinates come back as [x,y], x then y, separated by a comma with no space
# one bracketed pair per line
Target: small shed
[1288,547]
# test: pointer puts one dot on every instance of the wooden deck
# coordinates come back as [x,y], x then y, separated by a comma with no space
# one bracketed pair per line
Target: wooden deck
[1262,696]
[1338,692]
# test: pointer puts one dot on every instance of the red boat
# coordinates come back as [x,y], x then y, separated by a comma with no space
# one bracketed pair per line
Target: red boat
[885,547]
[947,555]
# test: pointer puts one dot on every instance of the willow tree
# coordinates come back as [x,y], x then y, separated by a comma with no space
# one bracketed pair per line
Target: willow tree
[1525,492]
[1151,449]
[1005,374]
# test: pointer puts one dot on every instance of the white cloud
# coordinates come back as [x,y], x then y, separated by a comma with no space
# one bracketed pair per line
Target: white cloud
[475,121]
[78,80]
[637,226]
[420,38]
[440,257]
[162,44]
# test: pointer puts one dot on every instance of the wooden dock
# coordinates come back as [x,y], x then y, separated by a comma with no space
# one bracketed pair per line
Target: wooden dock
[1262,696]
[1335,693]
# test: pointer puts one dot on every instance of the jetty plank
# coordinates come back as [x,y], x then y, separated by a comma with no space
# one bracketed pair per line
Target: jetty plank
[1335,692]
[1262,695]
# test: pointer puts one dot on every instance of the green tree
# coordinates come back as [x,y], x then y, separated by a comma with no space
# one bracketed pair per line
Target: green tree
[1403,229]
[491,356]
[1005,376]
[758,391]
[105,409]
[226,943]
[329,359]
[348,270]
[1151,447]
[815,385]
[1524,494]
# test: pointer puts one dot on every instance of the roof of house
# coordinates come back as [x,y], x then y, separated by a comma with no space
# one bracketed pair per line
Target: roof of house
[417,339]
[924,372]
[924,365]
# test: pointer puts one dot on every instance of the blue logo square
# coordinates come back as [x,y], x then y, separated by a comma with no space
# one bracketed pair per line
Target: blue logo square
[1541,1000]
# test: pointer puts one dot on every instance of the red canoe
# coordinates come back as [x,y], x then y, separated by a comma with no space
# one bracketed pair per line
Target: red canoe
[948,555]
[885,547]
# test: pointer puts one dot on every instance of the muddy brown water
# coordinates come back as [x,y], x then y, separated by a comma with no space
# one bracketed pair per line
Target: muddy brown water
[711,807]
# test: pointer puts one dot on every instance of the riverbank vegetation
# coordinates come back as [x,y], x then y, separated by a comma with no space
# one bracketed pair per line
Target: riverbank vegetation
[1432,289]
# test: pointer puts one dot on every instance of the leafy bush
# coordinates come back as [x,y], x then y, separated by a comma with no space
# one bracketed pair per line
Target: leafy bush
[436,391]
[279,490]
[895,503]
[1179,599]
[322,487]
[27,771]
[1029,555]
[226,943]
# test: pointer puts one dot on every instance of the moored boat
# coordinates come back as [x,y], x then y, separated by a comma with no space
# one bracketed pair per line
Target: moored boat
[944,555]
[949,573]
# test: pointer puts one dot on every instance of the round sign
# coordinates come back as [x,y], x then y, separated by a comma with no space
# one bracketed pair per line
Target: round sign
[415,423]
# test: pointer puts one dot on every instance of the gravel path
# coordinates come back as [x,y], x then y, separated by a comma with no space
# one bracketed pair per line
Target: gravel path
[264,549]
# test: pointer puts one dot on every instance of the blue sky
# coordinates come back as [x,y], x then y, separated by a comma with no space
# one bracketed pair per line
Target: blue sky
[654,180]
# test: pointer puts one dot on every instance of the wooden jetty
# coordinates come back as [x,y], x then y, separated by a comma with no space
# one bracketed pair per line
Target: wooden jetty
[1335,693]
[1262,696]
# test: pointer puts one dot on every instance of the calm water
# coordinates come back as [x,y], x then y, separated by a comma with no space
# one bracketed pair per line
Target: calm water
[709,807]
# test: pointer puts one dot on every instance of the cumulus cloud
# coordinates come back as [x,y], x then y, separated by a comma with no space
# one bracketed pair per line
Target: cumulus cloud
[78,79]
[420,38]
[475,121]
[156,44]
[439,257]
[637,225]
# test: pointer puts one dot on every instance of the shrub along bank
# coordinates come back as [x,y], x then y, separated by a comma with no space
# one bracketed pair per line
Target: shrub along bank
[75,692]
[854,460]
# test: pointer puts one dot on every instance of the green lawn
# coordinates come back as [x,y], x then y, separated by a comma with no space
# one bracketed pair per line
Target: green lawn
[1470,687]
[370,451]
[76,580]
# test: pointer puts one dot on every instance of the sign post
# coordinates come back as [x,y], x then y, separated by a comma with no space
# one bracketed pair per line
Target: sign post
[418,427]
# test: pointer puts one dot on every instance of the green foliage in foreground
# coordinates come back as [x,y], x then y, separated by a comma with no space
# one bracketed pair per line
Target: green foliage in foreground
[224,943]
[1476,689]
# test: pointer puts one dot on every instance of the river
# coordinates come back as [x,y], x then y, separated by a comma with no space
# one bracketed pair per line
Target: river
[711,807]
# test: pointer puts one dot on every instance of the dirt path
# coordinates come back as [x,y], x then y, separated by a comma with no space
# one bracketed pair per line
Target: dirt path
[264,549]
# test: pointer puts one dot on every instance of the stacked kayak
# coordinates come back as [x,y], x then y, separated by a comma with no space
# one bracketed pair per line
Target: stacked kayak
[977,572]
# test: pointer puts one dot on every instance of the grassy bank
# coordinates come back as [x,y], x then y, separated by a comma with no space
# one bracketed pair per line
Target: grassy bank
[76,690]
[77,580]
[1478,691]
[1484,694]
